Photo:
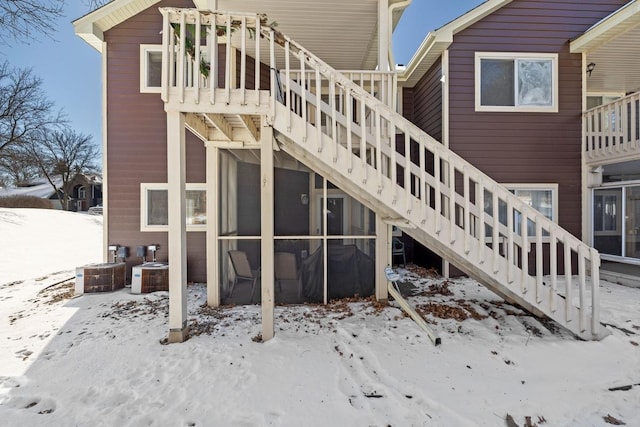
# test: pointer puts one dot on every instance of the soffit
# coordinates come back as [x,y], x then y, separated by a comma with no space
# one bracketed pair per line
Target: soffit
[612,44]
[92,26]
[609,28]
[617,64]
[343,33]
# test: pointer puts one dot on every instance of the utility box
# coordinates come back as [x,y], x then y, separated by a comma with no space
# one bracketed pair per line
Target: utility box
[104,277]
[149,277]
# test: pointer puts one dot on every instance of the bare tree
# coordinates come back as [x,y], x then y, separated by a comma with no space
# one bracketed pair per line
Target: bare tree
[22,20]
[94,4]
[66,154]
[24,108]
[16,168]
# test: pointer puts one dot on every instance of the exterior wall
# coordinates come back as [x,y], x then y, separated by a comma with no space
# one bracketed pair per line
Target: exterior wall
[515,147]
[526,147]
[427,102]
[137,142]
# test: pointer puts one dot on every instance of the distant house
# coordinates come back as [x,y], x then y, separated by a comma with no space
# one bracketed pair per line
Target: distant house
[237,144]
[87,191]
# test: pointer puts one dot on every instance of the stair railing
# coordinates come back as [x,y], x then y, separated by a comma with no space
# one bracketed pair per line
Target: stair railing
[494,225]
[400,165]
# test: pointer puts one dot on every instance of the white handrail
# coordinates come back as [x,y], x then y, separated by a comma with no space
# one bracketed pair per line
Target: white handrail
[612,130]
[441,193]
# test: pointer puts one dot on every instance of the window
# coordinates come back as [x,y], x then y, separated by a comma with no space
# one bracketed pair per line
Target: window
[516,82]
[154,207]
[150,68]
[596,100]
[543,198]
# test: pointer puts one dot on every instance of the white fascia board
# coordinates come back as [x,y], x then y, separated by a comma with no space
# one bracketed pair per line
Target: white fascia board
[88,32]
[91,27]
[618,22]
[439,40]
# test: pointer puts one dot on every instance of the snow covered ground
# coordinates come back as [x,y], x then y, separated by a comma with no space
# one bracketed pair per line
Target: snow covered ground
[98,360]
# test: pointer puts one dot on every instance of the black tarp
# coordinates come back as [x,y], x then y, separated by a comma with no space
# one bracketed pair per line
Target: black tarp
[351,272]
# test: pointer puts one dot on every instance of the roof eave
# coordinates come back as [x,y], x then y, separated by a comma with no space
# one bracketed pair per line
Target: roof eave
[91,27]
[608,28]
[436,42]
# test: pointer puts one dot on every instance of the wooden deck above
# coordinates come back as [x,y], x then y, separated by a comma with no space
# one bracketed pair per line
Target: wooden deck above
[612,131]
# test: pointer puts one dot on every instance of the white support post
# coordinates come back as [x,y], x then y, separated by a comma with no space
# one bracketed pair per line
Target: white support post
[213,248]
[176,177]
[266,242]
[383,35]
[383,257]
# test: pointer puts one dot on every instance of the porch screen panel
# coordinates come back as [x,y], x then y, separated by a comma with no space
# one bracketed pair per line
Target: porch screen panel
[350,268]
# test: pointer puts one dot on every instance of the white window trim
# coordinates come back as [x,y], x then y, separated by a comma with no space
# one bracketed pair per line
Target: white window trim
[145,186]
[144,49]
[516,55]
[541,187]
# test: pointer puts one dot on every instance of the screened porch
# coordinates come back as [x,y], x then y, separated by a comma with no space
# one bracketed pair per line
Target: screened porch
[324,240]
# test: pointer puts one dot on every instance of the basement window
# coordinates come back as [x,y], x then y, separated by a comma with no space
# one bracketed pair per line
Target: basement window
[154,207]
[150,68]
[518,82]
[542,197]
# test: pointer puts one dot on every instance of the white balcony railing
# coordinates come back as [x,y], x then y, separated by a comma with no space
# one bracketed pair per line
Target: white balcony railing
[339,128]
[612,131]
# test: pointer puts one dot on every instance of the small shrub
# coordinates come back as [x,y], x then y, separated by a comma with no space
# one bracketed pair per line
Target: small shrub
[25,202]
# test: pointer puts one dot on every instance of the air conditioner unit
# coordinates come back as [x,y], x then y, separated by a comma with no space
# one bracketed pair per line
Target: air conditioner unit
[149,277]
[104,277]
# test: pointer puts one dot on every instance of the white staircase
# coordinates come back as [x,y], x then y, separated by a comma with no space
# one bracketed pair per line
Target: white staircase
[342,130]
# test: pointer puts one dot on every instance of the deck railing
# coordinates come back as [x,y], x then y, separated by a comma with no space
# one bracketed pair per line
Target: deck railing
[612,131]
[357,138]
[188,71]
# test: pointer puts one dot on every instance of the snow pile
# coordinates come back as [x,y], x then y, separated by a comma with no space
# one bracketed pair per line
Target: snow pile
[37,242]
[100,360]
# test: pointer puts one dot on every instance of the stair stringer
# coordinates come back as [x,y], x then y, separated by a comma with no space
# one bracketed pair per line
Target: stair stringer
[497,274]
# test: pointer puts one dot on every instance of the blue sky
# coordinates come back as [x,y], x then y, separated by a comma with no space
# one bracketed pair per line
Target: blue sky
[71,69]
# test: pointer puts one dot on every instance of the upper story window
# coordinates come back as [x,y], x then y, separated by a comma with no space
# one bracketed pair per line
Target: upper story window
[526,82]
[150,68]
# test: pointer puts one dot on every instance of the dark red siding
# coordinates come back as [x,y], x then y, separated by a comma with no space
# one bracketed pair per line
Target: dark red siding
[427,102]
[526,147]
[516,147]
[137,141]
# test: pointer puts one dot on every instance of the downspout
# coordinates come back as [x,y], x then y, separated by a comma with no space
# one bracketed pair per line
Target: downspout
[401,5]
[392,62]
[393,277]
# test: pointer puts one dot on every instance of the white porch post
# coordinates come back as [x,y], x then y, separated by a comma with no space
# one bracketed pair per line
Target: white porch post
[176,177]
[213,248]
[383,35]
[266,224]
[383,257]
